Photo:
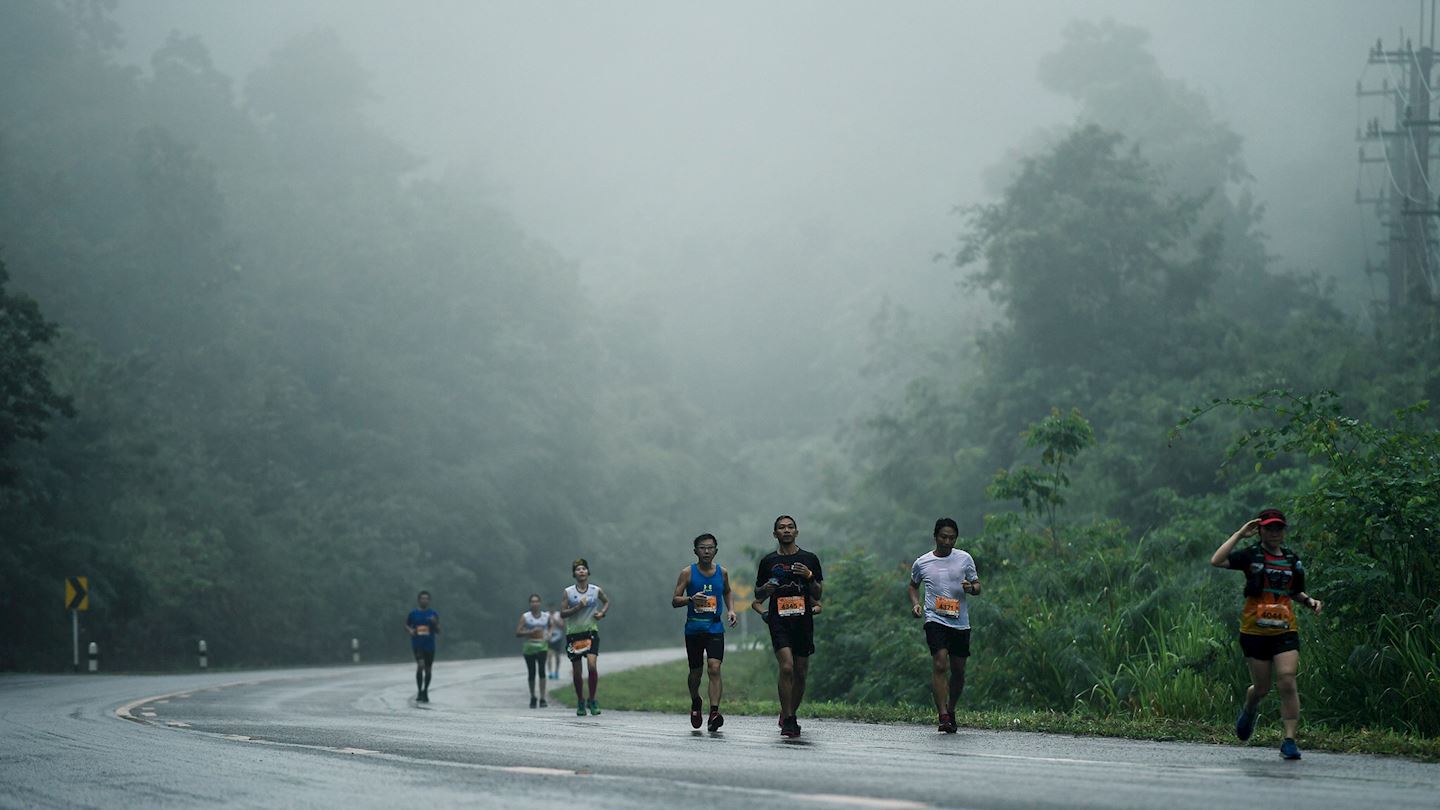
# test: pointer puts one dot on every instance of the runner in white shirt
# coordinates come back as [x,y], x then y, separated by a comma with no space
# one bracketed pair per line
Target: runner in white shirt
[532,628]
[946,575]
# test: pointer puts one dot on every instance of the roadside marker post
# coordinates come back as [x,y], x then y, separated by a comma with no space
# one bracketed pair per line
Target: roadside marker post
[204,655]
[94,657]
[77,598]
[354,650]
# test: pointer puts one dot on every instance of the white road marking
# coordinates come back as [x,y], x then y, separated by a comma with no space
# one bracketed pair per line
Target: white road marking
[540,771]
[147,714]
[176,724]
[356,751]
[862,801]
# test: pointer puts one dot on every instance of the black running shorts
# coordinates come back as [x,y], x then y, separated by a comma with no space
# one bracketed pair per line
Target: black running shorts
[1265,648]
[798,634]
[700,645]
[579,645]
[943,637]
[424,656]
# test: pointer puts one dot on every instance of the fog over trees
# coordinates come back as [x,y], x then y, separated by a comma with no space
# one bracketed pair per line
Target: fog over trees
[308,306]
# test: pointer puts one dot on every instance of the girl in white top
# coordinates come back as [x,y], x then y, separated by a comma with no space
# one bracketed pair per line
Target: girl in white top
[533,627]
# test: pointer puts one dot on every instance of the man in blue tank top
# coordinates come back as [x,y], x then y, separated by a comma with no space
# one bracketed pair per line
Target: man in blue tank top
[703,589]
[423,624]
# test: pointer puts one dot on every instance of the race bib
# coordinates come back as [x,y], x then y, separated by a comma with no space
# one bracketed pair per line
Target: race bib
[790,606]
[707,604]
[581,645]
[945,606]
[422,629]
[1273,615]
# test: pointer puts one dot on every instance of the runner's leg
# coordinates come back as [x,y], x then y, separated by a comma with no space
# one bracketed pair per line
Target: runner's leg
[530,673]
[957,681]
[693,681]
[784,682]
[1260,674]
[594,674]
[717,686]
[939,667]
[576,670]
[1287,664]
[797,692]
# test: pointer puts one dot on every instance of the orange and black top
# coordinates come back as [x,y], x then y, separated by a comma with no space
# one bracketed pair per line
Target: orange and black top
[1271,583]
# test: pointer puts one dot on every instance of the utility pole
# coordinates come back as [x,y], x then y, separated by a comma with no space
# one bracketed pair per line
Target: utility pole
[1407,203]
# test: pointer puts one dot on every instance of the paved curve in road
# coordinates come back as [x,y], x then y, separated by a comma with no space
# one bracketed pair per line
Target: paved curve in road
[354,737]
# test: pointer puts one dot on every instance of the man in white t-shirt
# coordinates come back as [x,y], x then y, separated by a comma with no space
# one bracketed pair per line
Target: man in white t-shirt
[947,576]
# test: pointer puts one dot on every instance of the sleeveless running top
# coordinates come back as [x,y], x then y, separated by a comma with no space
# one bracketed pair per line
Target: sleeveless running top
[530,646]
[707,618]
[583,620]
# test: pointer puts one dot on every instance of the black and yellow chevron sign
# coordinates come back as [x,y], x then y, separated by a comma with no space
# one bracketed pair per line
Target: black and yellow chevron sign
[77,593]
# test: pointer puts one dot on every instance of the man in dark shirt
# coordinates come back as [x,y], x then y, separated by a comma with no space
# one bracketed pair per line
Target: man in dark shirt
[789,582]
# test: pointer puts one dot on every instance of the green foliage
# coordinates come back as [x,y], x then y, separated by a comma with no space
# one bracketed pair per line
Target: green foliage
[308,382]
[1374,500]
[28,399]
[1061,437]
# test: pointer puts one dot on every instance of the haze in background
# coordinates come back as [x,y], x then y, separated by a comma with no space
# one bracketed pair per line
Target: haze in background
[752,179]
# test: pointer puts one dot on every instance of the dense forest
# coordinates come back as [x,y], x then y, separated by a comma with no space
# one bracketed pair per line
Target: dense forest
[288,380]
[264,377]
[1153,384]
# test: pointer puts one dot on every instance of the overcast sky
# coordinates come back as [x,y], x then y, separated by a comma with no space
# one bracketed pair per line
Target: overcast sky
[628,133]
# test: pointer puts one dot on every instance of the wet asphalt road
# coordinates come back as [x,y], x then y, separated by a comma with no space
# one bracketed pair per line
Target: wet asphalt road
[354,737]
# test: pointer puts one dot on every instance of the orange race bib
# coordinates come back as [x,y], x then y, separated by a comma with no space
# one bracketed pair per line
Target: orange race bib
[945,606]
[708,604]
[1274,615]
[580,646]
[790,606]
[422,629]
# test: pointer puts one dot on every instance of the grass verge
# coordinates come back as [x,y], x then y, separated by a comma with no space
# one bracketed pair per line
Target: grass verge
[750,690]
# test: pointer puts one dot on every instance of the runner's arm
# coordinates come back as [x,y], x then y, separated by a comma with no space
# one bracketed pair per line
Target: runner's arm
[1309,601]
[604,603]
[917,608]
[409,628]
[679,599]
[729,606]
[1221,557]
[565,610]
[520,631]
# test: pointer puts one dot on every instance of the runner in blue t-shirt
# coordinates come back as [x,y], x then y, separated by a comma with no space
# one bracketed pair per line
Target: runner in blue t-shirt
[423,624]
[703,589]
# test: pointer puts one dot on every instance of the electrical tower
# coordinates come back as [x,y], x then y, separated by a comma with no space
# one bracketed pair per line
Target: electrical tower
[1403,197]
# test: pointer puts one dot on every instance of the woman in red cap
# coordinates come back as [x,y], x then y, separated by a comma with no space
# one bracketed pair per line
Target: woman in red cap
[1274,583]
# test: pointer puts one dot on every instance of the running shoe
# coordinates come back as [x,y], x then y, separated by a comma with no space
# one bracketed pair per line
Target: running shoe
[425,696]
[594,707]
[716,721]
[1245,725]
[780,721]
[947,724]
[694,718]
[791,728]
[544,704]
[580,708]
[1289,749]
[533,701]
